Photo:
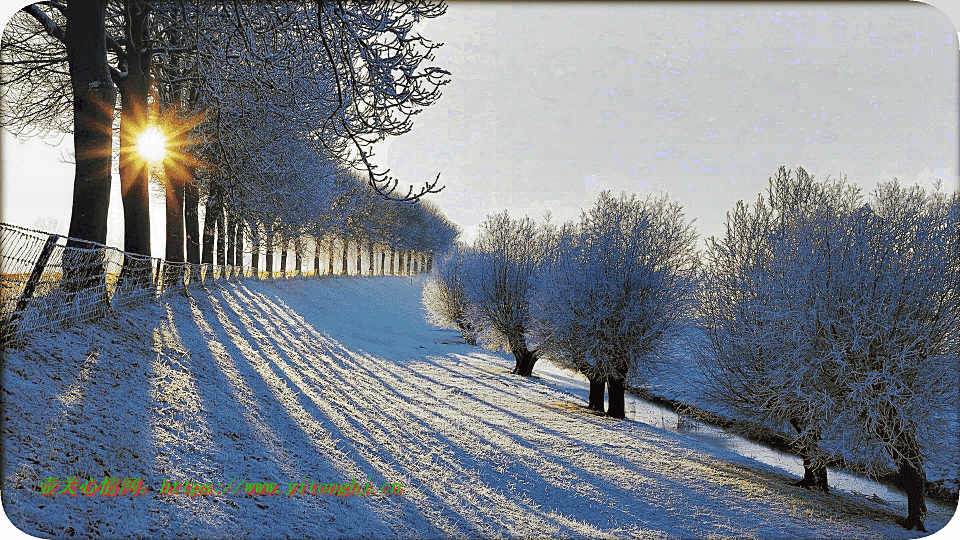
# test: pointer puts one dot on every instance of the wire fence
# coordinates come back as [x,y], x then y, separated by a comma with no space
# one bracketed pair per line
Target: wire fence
[48,280]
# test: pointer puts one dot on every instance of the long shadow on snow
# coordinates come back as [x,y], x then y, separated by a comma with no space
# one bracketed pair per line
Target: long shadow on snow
[353,379]
[325,406]
[79,368]
[283,425]
[300,325]
[425,423]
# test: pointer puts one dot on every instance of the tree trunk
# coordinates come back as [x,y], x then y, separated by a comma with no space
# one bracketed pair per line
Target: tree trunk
[94,99]
[298,253]
[392,255]
[615,390]
[174,251]
[344,272]
[814,475]
[912,478]
[525,358]
[175,229]
[616,383]
[330,252]
[134,117]
[221,238]
[255,249]
[209,229]
[597,388]
[239,253]
[316,255]
[269,251]
[229,222]
[359,258]
[191,216]
[814,472]
[283,256]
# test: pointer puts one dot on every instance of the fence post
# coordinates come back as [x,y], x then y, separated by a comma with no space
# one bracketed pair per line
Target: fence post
[37,272]
[156,276]
[31,285]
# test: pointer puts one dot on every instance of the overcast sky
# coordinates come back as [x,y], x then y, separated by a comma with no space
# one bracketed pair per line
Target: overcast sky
[551,103]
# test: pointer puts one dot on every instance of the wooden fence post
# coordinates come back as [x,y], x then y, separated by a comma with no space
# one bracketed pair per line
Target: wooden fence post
[10,327]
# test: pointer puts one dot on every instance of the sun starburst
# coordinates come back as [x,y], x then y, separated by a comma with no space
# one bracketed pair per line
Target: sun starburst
[152,145]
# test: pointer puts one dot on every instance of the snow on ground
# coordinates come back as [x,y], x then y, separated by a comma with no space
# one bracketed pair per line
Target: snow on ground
[337,379]
[683,381]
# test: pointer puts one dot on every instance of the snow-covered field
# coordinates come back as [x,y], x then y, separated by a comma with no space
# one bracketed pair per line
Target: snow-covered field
[338,379]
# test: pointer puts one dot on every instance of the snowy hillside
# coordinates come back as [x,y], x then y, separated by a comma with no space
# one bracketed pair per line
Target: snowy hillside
[342,380]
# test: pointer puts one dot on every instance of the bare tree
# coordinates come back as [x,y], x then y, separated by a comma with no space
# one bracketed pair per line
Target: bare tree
[379,77]
[616,291]
[444,296]
[36,94]
[758,353]
[497,277]
[834,317]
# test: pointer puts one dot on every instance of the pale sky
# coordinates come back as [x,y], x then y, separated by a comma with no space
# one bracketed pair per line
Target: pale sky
[551,103]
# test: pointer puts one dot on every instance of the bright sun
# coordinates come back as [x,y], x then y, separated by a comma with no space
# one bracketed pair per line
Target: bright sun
[152,145]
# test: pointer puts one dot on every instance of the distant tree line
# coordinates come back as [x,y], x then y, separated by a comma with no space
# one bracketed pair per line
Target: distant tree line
[818,313]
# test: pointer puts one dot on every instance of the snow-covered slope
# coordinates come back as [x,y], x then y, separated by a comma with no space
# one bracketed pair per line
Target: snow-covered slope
[330,380]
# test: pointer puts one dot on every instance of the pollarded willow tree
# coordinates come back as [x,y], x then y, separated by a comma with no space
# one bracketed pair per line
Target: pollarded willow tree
[497,276]
[774,257]
[895,338]
[619,288]
[444,295]
[838,318]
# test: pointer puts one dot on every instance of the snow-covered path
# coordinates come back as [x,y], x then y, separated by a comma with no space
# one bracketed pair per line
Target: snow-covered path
[338,379]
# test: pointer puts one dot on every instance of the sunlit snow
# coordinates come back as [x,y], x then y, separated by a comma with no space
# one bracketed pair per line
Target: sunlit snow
[328,380]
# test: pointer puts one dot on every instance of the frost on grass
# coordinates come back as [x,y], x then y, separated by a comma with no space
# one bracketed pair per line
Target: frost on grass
[339,379]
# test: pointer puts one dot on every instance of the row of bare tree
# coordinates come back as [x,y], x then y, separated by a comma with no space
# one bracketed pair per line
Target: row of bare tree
[269,111]
[818,313]
[600,296]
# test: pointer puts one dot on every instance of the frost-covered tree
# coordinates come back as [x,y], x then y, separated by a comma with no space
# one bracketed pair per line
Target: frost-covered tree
[762,306]
[620,285]
[497,278]
[894,335]
[444,296]
[760,354]
[838,318]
